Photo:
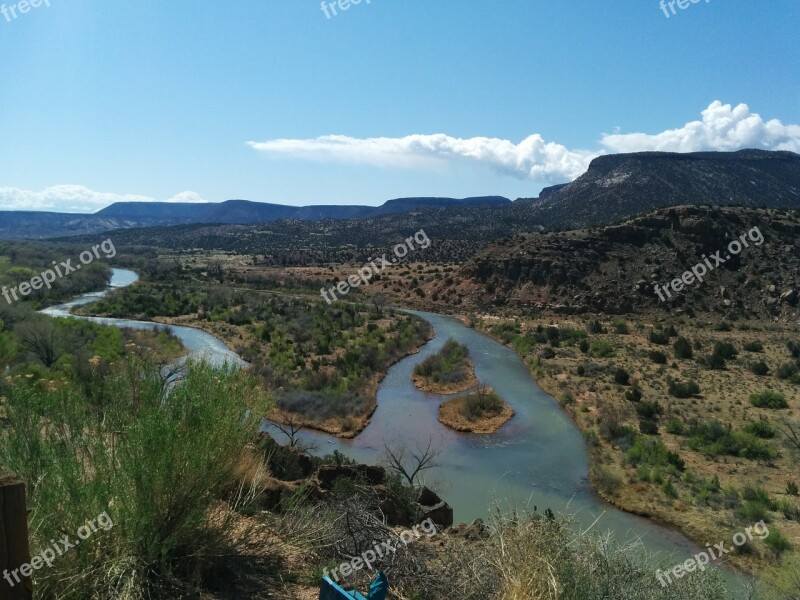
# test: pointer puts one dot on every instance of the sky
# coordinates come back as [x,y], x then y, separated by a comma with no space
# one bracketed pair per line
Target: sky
[282,101]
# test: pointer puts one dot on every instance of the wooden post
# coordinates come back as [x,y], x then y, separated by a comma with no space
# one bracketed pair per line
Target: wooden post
[14,549]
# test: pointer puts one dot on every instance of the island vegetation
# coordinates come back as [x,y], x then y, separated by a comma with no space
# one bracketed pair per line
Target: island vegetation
[482,411]
[449,371]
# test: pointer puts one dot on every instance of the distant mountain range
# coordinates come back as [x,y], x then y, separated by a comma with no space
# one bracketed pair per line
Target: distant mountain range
[126,215]
[614,188]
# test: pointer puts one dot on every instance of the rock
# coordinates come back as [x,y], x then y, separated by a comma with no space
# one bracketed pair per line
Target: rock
[475,531]
[789,296]
[441,514]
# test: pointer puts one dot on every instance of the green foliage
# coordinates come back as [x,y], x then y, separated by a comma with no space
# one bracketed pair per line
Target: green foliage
[633,394]
[482,403]
[681,389]
[648,409]
[768,399]
[621,376]
[777,542]
[715,438]
[759,368]
[683,348]
[754,346]
[652,452]
[601,348]
[657,357]
[446,366]
[675,426]
[761,429]
[158,463]
[620,326]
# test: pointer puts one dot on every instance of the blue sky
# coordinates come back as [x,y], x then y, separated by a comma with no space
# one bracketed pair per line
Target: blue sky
[270,100]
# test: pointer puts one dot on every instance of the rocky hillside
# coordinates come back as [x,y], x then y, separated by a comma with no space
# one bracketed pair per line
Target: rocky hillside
[622,185]
[614,269]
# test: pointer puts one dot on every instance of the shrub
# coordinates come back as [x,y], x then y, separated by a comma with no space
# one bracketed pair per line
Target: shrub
[754,346]
[683,348]
[659,337]
[713,361]
[648,409]
[768,399]
[620,326]
[648,427]
[584,346]
[621,376]
[726,350]
[792,489]
[681,389]
[581,370]
[483,402]
[777,542]
[595,327]
[171,466]
[447,365]
[658,357]
[675,426]
[787,370]
[547,353]
[759,368]
[601,349]
[633,394]
[760,429]
[714,438]
[651,451]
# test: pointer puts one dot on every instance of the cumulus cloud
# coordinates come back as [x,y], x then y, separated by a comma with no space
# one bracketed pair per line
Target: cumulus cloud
[723,127]
[74,198]
[532,158]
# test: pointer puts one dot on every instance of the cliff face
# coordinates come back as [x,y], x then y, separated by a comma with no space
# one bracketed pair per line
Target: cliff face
[614,269]
[618,186]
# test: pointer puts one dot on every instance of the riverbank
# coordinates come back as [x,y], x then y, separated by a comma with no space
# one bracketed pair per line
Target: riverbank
[619,373]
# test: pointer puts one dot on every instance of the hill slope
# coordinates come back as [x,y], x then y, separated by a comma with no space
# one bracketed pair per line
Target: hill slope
[622,185]
[614,270]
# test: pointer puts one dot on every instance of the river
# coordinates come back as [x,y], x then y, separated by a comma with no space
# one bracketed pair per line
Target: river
[538,459]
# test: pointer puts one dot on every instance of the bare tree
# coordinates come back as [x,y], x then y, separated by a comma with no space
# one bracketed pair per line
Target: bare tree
[290,424]
[412,466]
[379,301]
[40,338]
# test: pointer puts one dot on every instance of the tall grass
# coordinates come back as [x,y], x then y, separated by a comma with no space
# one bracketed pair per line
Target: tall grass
[161,464]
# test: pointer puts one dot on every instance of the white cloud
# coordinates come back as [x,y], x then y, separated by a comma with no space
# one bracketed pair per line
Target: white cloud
[722,128]
[74,198]
[533,158]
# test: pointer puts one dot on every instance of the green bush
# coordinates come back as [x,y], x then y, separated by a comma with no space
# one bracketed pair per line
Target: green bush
[447,365]
[621,376]
[675,426]
[681,389]
[601,349]
[768,399]
[658,357]
[158,464]
[633,394]
[659,337]
[759,368]
[777,542]
[683,348]
[761,429]
[754,346]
